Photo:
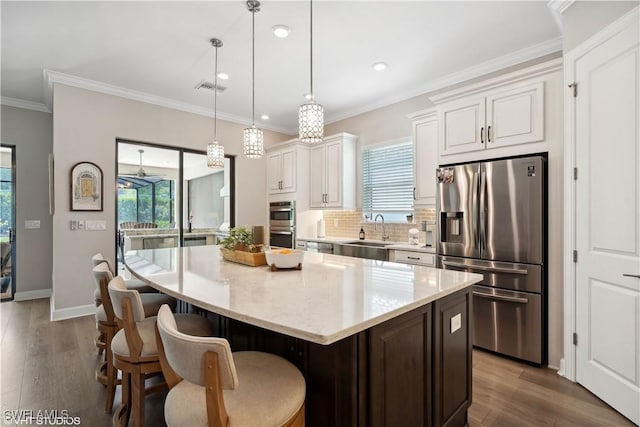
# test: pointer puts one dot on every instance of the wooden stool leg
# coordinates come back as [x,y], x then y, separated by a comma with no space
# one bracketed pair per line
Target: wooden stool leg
[123,413]
[112,378]
[137,397]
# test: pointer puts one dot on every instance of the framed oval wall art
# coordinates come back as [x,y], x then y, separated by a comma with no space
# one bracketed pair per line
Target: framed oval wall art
[86,187]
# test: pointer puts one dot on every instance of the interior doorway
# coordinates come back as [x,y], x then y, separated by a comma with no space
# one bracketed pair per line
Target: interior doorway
[7,222]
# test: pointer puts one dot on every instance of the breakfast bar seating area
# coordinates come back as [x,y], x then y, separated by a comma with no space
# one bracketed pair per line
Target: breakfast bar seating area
[350,326]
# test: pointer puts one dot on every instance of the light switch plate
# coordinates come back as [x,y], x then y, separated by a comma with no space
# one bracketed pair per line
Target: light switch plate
[95,225]
[456,322]
[32,223]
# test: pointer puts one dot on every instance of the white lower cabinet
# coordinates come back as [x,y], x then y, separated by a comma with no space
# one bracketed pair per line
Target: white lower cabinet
[412,257]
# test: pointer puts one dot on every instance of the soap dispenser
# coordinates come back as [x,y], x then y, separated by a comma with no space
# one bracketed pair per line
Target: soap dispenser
[361,235]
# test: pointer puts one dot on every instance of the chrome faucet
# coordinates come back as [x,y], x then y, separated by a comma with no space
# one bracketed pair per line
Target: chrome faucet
[384,229]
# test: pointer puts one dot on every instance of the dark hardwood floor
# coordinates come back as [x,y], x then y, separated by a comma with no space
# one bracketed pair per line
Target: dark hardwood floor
[51,365]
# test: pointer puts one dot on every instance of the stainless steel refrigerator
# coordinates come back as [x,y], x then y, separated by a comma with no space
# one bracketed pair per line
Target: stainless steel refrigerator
[492,221]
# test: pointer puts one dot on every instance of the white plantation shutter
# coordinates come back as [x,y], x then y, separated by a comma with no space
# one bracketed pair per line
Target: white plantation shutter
[387,179]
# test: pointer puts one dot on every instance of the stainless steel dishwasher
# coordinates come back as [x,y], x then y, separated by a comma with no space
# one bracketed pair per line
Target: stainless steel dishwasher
[322,247]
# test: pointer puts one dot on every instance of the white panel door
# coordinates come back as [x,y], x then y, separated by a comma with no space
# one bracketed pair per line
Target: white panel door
[425,143]
[333,178]
[608,222]
[462,127]
[316,176]
[515,116]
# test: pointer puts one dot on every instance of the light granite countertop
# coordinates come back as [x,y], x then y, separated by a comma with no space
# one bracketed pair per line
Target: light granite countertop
[331,298]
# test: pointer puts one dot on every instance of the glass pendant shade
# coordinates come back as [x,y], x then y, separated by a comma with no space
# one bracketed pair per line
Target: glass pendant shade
[215,155]
[311,122]
[253,142]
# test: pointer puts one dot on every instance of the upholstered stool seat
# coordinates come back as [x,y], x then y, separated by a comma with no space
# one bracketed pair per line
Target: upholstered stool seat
[222,388]
[133,284]
[270,392]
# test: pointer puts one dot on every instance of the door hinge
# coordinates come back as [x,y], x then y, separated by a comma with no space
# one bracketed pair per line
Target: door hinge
[575,256]
[575,174]
[574,86]
[575,338]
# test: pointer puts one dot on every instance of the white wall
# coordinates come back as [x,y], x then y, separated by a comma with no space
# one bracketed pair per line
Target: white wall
[31,133]
[85,127]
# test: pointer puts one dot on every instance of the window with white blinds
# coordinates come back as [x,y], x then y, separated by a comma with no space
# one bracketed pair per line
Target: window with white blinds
[387,180]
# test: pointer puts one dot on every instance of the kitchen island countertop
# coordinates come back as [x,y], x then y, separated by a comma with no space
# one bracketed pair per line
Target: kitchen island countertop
[332,297]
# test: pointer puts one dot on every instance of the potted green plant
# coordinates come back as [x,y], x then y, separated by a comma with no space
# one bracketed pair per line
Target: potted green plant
[239,247]
[240,239]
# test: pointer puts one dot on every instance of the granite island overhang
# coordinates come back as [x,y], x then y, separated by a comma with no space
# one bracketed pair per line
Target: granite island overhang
[379,343]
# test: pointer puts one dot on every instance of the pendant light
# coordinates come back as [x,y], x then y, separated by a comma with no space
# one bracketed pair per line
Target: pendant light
[215,151]
[311,117]
[253,138]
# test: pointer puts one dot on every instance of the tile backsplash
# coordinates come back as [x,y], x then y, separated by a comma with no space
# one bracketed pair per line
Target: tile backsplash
[348,223]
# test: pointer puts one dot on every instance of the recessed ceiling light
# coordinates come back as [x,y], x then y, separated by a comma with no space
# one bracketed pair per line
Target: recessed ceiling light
[223,76]
[264,117]
[379,66]
[281,31]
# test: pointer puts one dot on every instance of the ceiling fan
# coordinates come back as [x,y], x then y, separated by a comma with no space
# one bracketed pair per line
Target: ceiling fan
[140,173]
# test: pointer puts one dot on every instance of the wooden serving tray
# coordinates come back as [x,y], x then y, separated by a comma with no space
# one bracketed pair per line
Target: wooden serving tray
[253,259]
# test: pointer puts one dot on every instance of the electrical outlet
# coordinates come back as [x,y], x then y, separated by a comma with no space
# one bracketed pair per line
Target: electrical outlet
[456,322]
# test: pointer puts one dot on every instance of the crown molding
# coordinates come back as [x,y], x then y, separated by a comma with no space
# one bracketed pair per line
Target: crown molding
[21,103]
[560,5]
[544,68]
[496,64]
[51,77]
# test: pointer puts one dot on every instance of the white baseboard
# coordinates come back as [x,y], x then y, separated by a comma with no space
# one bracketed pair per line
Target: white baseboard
[29,295]
[561,369]
[72,312]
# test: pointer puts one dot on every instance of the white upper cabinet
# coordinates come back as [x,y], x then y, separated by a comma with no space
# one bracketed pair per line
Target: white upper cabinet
[332,169]
[510,116]
[425,156]
[500,117]
[281,170]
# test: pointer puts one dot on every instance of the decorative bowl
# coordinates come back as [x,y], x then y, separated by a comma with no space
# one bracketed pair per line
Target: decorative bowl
[284,258]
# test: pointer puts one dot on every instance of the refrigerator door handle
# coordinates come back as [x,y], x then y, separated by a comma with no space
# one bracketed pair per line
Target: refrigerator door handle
[475,185]
[486,268]
[483,211]
[500,297]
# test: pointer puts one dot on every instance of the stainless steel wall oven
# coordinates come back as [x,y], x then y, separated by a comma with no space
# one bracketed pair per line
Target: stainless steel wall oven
[282,224]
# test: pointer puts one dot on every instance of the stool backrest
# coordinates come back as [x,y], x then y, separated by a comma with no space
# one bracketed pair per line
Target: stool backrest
[102,276]
[185,353]
[118,292]
[99,259]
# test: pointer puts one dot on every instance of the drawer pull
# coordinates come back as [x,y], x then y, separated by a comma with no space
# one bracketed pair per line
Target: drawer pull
[500,297]
[417,258]
[637,276]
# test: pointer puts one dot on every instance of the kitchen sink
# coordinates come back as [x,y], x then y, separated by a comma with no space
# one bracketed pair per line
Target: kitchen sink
[363,249]
[373,244]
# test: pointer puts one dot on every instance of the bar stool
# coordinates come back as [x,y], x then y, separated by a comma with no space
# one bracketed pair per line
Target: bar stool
[107,326]
[135,350]
[224,389]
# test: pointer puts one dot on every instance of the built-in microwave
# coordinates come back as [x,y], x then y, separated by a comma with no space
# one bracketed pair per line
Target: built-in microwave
[282,224]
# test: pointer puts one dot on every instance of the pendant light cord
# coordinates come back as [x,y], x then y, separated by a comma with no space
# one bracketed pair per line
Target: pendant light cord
[215,99]
[311,46]
[253,67]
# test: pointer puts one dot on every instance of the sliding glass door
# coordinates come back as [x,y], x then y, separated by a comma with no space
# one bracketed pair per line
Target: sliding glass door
[168,197]
[7,222]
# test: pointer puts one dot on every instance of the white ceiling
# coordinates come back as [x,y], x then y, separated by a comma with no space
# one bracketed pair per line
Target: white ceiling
[162,49]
